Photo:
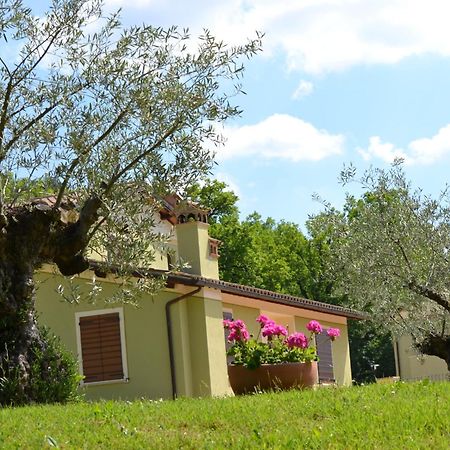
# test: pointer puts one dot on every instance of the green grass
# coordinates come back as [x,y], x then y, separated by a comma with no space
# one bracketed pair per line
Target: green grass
[400,416]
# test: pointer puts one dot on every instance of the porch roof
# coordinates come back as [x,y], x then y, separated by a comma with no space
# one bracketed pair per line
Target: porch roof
[188,279]
[263,294]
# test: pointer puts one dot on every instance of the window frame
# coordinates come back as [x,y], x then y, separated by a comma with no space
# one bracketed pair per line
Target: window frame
[100,312]
[325,340]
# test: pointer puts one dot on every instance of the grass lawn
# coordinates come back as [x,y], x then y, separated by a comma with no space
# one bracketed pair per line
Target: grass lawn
[396,416]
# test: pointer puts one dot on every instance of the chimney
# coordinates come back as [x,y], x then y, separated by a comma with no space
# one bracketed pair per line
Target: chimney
[195,247]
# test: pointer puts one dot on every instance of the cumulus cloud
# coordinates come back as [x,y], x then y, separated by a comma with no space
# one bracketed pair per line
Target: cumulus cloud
[280,136]
[382,150]
[316,35]
[430,150]
[419,151]
[303,89]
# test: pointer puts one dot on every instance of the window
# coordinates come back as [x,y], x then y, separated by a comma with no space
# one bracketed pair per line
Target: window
[101,345]
[213,248]
[325,366]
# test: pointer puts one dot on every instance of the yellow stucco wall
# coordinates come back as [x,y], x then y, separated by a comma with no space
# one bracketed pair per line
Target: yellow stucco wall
[145,333]
[247,314]
[209,369]
[412,366]
[200,357]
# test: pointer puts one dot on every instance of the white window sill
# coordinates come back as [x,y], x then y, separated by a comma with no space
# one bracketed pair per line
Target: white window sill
[99,383]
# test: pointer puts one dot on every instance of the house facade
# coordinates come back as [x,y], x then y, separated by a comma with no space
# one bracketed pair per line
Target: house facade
[173,343]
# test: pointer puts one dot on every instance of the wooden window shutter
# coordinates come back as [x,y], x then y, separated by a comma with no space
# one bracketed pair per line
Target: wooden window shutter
[101,347]
[325,354]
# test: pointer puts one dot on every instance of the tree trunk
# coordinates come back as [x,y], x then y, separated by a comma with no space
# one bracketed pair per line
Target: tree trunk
[437,345]
[27,361]
[18,333]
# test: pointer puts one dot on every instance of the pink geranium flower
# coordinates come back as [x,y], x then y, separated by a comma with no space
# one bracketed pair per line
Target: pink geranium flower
[238,335]
[333,333]
[271,329]
[251,353]
[268,330]
[297,340]
[238,331]
[314,327]
[280,330]
[262,319]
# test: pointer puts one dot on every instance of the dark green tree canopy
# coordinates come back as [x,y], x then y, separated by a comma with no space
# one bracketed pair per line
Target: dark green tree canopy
[216,196]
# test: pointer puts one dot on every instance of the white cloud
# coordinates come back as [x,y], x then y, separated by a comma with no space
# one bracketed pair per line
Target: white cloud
[430,150]
[304,89]
[280,136]
[382,150]
[316,35]
[230,181]
[419,151]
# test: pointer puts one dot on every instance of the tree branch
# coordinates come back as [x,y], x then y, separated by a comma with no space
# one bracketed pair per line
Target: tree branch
[46,50]
[138,158]
[5,66]
[430,294]
[97,226]
[77,160]
[35,120]
[402,250]
[73,239]
[3,117]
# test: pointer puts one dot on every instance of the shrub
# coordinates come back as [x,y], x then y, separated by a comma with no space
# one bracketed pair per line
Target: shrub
[53,376]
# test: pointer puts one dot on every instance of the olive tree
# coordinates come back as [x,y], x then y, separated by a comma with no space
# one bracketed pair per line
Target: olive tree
[114,118]
[390,255]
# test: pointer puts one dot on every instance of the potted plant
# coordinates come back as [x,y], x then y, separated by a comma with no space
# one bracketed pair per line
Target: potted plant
[281,362]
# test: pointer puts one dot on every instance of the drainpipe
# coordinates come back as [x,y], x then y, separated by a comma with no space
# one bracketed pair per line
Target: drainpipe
[170,337]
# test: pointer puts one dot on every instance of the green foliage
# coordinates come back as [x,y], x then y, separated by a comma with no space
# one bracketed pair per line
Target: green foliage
[215,196]
[271,255]
[395,416]
[389,256]
[115,115]
[53,375]
[370,346]
[252,353]
[21,190]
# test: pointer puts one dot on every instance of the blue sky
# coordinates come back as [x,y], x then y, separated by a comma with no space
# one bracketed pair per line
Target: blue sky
[339,81]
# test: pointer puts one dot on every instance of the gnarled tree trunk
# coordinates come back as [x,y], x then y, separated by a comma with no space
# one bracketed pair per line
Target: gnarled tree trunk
[30,237]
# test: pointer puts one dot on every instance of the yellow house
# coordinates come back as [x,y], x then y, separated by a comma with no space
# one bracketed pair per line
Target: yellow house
[173,344]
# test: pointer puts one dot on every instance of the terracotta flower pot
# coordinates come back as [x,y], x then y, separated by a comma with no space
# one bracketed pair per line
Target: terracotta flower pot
[272,376]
